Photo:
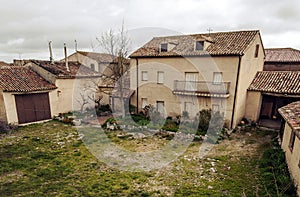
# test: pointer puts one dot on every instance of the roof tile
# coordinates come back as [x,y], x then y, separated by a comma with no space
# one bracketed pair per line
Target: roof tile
[291,114]
[282,82]
[22,79]
[221,43]
[282,55]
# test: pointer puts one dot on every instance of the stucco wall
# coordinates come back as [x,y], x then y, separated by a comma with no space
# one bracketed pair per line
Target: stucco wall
[253,105]
[292,157]
[84,60]
[174,69]
[2,108]
[249,67]
[10,106]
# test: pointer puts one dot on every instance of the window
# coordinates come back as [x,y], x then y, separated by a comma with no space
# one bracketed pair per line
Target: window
[144,102]
[215,108]
[160,77]
[164,47]
[160,106]
[217,78]
[191,79]
[93,67]
[292,141]
[256,51]
[199,45]
[144,76]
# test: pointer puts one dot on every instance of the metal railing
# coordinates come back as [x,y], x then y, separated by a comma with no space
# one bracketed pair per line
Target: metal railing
[202,87]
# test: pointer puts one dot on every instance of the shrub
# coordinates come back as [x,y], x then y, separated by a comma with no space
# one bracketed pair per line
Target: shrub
[207,119]
[110,121]
[275,172]
[170,125]
[4,127]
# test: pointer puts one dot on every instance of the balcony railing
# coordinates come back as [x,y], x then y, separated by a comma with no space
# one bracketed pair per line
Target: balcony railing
[201,87]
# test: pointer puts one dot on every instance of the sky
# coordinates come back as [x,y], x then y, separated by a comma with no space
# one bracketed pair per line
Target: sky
[27,26]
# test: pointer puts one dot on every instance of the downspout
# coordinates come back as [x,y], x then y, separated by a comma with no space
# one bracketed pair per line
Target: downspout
[235,91]
[137,85]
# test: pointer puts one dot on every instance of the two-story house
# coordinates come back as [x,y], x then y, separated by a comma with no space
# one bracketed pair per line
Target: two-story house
[198,71]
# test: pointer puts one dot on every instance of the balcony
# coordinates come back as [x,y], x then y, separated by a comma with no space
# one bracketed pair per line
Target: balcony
[202,88]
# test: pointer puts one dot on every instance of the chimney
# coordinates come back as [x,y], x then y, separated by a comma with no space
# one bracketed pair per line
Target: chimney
[51,55]
[75,45]
[66,57]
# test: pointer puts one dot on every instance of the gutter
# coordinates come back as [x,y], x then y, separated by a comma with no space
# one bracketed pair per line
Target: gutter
[137,85]
[235,91]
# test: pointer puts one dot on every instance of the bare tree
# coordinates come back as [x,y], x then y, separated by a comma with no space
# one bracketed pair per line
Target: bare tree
[117,45]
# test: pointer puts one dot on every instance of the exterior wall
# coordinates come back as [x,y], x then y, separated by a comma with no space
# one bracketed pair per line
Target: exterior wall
[61,98]
[10,106]
[2,108]
[281,66]
[253,105]
[84,60]
[249,67]
[174,69]
[44,73]
[292,157]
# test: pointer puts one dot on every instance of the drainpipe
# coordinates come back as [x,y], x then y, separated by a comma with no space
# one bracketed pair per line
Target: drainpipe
[50,50]
[235,91]
[66,57]
[137,85]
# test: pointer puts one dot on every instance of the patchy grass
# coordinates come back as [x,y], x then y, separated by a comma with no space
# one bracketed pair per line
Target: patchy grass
[50,159]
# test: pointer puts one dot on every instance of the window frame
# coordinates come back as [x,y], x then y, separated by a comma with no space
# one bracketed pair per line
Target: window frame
[292,141]
[199,43]
[144,75]
[217,82]
[256,50]
[164,49]
[162,79]
[93,67]
[214,106]
[163,105]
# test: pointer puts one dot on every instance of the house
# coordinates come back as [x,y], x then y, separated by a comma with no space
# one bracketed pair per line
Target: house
[276,86]
[198,71]
[291,139]
[77,85]
[282,59]
[37,90]
[107,66]
[95,61]
[24,95]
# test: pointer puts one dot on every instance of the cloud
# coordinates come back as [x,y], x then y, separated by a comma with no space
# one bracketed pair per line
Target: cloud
[28,25]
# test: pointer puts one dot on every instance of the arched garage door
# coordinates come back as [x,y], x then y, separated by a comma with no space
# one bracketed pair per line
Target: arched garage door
[33,107]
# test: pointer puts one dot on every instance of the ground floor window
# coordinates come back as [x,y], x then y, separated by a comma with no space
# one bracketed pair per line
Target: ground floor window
[160,106]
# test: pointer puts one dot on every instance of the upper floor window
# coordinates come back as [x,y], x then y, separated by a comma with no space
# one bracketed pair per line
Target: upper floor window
[256,51]
[164,47]
[160,77]
[199,45]
[217,78]
[144,76]
[292,141]
[93,67]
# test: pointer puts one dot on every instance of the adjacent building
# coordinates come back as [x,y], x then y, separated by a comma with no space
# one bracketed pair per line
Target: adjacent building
[291,139]
[198,71]
[276,86]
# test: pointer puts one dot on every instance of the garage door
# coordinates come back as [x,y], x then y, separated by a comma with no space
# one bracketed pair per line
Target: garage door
[33,107]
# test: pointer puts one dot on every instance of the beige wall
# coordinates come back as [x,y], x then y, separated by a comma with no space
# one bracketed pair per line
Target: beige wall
[83,60]
[253,105]
[2,108]
[10,106]
[174,69]
[249,67]
[292,158]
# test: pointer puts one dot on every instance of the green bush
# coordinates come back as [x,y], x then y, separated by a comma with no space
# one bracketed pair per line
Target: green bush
[207,119]
[110,121]
[170,125]
[276,177]
[4,127]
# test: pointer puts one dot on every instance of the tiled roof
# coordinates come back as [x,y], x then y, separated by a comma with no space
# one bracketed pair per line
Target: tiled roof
[99,57]
[221,43]
[60,70]
[282,82]
[282,55]
[291,114]
[22,79]
[3,64]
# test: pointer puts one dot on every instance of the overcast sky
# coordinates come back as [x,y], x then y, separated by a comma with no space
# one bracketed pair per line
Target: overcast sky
[28,25]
